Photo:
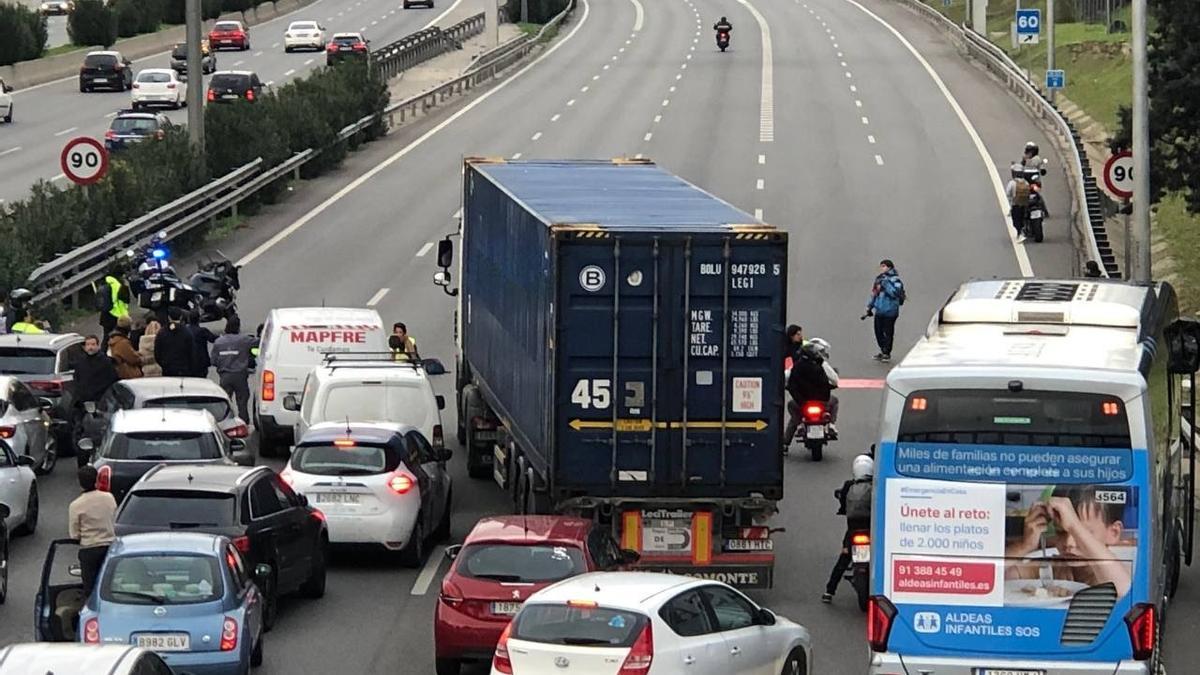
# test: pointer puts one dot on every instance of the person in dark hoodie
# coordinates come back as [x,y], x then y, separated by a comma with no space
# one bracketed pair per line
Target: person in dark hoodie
[94,374]
[202,337]
[173,347]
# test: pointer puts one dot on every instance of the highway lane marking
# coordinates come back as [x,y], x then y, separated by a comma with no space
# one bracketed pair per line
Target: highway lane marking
[689,57]
[238,63]
[760,184]
[555,118]
[766,116]
[289,73]
[10,151]
[571,103]
[684,66]
[583,89]
[693,48]
[425,578]
[857,103]
[640,17]
[671,89]
[275,46]
[375,23]
[383,291]
[871,139]
[849,74]
[606,66]
[844,64]
[444,14]
[879,160]
[666,102]
[678,76]
[762,159]
[657,119]
[629,42]
[308,62]
[516,155]
[403,152]
[363,29]
[58,177]
[425,249]
[615,57]
[386,16]
[256,54]
[839,55]
[65,131]
[595,77]
[648,136]
[853,88]
[536,136]
[997,186]
[111,114]
[866,121]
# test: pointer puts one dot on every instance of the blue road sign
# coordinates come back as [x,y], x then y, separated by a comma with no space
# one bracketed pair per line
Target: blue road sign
[1029,21]
[1056,79]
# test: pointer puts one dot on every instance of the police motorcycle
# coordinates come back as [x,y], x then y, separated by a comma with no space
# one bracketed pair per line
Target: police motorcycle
[211,291]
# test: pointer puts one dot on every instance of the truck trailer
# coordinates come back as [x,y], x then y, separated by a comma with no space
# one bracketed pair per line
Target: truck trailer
[620,340]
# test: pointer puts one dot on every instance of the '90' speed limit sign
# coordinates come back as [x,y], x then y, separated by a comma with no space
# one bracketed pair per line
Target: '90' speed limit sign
[84,160]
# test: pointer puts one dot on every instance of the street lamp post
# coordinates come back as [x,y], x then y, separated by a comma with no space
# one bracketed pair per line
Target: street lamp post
[195,75]
[1141,148]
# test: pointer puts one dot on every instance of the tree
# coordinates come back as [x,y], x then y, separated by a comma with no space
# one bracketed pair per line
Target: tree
[92,24]
[24,32]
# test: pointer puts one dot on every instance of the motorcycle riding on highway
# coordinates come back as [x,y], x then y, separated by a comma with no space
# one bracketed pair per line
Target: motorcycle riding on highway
[723,28]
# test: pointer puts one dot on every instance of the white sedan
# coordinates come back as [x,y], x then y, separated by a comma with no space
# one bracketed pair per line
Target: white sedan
[6,103]
[18,490]
[154,86]
[605,623]
[304,34]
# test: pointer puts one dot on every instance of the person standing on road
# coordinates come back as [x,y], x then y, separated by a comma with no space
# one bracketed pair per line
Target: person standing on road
[126,359]
[111,301]
[1092,270]
[1018,191]
[403,345]
[854,502]
[94,372]
[231,356]
[202,337]
[887,295]
[173,349]
[90,519]
[150,367]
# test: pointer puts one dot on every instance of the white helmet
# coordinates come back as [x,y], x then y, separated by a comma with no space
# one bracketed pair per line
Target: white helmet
[863,467]
[822,347]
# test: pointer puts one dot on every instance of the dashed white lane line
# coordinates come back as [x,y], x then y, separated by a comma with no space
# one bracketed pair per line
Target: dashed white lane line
[383,291]
[425,578]
[853,89]
[289,73]
[10,151]
[595,77]
[857,103]
[689,57]
[583,89]
[871,139]
[657,119]
[516,155]
[536,136]
[762,159]
[374,23]
[237,63]
[678,76]
[759,184]
[58,177]
[621,50]
[641,15]
[839,55]
[666,102]
[671,89]
[647,137]
[684,66]
[275,46]
[844,64]
[386,16]
[555,118]
[866,121]
[421,254]
[362,29]
[628,42]
[308,62]
[65,131]
[111,115]
[879,160]
[570,103]
[606,66]
[758,214]
[257,54]
[849,74]
[766,118]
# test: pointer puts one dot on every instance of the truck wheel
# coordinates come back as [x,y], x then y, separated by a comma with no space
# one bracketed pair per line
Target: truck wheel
[473,406]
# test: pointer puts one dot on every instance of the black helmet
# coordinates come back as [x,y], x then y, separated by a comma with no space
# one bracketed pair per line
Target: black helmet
[1031,149]
[19,298]
[723,20]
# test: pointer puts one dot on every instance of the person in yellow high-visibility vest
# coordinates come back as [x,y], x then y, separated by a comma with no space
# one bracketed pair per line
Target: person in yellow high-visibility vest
[112,305]
[403,345]
[27,325]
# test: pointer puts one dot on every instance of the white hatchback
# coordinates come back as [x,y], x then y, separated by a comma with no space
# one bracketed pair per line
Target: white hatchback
[304,34]
[605,623]
[375,484]
[159,86]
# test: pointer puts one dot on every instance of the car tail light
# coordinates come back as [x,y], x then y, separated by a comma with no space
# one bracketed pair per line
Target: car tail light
[439,439]
[268,376]
[137,85]
[7,432]
[400,483]
[331,47]
[360,47]
[110,135]
[880,613]
[91,631]
[242,543]
[229,635]
[451,595]
[240,431]
[104,479]
[287,477]
[249,94]
[860,539]
[170,85]
[814,412]
[212,95]
[641,654]
[500,661]
[1142,622]
[48,386]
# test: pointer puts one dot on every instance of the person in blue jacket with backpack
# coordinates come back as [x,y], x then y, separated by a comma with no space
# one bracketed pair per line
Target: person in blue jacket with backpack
[887,294]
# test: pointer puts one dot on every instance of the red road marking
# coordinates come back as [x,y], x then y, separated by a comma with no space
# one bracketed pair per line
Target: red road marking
[845,383]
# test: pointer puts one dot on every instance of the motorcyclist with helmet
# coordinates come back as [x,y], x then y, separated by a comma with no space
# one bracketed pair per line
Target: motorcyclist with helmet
[813,378]
[723,26]
[854,502]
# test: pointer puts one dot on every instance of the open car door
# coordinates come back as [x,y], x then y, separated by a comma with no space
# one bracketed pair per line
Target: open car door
[60,594]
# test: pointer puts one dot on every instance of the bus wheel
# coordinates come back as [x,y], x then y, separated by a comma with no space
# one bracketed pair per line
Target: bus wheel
[1174,561]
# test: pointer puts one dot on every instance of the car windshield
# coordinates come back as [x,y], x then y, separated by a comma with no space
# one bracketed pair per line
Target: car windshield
[346,39]
[303,25]
[358,460]
[154,77]
[520,563]
[26,361]
[177,510]
[179,52]
[377,402]
[161,446]
[97,60]
[226,26]
[217,407]
[576,625]
[135,125]
[229,81]
[161,580]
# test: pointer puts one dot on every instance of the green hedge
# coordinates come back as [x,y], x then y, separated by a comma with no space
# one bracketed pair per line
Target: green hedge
[22,34]
[92,24]
[306,113]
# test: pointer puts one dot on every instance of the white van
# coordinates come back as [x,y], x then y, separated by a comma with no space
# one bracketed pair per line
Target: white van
[43,658]
[369,388]
[294,341]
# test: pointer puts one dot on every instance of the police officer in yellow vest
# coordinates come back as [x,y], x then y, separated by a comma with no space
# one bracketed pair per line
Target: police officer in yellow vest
[112,305]
[18,310]
[27,325]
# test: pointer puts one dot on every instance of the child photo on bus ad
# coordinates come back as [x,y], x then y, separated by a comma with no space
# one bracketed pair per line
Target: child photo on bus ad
[1083,535]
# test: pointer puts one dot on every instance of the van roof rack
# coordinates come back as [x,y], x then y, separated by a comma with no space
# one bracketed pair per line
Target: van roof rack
[367,360]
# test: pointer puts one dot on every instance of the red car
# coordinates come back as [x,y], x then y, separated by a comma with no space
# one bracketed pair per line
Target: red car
[229,35]
[503,561]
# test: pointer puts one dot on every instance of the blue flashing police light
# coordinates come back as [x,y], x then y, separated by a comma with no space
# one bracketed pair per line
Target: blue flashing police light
[159,253]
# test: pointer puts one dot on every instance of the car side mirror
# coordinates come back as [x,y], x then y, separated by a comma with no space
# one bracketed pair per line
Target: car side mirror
[445,252]
[290,402]
[764,617]
[453,551]
[441,278]
[443,454]
[75,570]
[303,498]
[262,572]
[441,401]
[86,444]
[629,556]
[45,404]
[8,88]
[25,460]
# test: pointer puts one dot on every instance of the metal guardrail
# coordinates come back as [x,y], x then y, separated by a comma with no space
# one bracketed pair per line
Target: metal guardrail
[410,50]
[1086,194]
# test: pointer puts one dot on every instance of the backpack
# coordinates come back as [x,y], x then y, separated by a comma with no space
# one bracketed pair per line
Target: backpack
[1020,192]
[894,288]
[858,500]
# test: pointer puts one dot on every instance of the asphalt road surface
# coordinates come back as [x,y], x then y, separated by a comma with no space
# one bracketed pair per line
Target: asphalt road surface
[860,155]
[48,115]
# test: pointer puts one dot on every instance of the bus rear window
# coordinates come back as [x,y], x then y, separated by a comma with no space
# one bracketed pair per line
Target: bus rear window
[1027,418]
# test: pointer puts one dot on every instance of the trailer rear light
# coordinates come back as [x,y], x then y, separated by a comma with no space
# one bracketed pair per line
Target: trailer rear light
[104,479]
[754,533]
[229,635]
[500,661]
[814,412]
[860,539]
[641,654]
[91,631]
[268,376]
[1142,622]
[880,614]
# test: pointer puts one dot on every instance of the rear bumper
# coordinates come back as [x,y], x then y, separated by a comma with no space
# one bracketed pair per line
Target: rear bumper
[894,664]
[389,526]
[312,42]
[206,663]
[459,636]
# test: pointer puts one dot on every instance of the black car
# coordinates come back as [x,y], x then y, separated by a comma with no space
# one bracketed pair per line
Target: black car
[133,127]
[45,363]
[267,521]
[208,60]
[234,85]
[344,46]
[106,70]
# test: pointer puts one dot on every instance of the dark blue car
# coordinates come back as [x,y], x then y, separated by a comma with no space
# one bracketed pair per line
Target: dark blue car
[133,127]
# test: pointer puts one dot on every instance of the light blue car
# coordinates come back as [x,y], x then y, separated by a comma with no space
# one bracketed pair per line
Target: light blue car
[186,596]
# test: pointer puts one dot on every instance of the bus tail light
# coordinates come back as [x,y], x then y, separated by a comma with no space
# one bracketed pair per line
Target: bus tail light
[1142,622]
[880,615]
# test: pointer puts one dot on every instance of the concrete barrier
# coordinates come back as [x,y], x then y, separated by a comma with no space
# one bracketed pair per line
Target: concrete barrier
[40,71]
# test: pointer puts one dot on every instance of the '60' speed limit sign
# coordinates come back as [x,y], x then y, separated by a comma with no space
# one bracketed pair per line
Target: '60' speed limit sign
[84,160]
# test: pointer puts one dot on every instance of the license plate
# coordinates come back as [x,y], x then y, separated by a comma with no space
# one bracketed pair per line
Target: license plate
[164,642]
[749,545]
[344,49]
[1036,215]
[226,42]
[814,431]
[1007,671]
[861,553]
[100,80]
[485,435]
[506,608]
[337,498]
[229,95]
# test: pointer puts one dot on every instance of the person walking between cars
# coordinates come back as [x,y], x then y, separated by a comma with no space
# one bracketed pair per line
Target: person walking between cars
[150,367]
[94,373]
[202,337]
[90,519]
[173,348]
[887,295]
[231,356]
[403,345]
[111,301]
[854,502]
[126,359]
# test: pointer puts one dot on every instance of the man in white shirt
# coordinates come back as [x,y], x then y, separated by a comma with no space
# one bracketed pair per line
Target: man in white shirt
[90,519]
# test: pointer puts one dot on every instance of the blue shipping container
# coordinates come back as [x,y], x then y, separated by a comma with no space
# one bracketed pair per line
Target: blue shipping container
[627,327]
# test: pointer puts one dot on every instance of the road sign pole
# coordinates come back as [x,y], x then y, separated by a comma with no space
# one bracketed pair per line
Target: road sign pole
[1050,40]
[1141,148]
[1126,209]
[195,75]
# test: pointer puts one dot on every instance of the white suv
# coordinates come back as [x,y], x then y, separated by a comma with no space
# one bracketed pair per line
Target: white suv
[6,104]
[369,387]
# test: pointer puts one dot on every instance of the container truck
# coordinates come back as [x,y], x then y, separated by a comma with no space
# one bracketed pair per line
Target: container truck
[620,340]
